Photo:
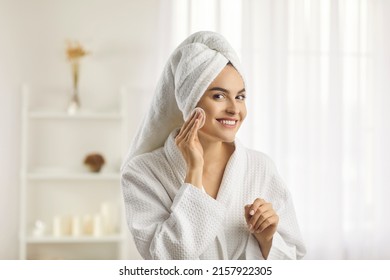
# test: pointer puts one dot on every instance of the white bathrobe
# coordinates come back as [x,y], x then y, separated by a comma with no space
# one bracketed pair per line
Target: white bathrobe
[170,219]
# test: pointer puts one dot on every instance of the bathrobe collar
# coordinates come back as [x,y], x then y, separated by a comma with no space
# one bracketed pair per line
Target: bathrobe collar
[234,173]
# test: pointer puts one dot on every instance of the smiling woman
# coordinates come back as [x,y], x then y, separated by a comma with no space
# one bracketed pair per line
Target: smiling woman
[193,191]
[224,105]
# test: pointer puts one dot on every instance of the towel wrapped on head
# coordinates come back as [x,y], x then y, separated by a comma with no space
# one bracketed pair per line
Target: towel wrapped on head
[190,69]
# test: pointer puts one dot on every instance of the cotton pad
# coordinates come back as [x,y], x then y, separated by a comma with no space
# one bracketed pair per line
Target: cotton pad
[203,118]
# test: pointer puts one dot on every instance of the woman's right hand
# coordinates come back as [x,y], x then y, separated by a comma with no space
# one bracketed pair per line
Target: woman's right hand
[188,143]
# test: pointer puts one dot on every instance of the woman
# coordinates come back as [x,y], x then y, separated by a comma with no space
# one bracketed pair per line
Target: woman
[192,191]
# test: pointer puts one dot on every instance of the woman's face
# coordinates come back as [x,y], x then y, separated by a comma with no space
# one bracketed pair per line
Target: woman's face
[224,105]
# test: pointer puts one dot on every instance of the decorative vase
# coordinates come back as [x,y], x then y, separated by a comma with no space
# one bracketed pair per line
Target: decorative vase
[74,53]
[74,104]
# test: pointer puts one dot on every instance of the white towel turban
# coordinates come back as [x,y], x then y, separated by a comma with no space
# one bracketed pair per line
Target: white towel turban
[190,69]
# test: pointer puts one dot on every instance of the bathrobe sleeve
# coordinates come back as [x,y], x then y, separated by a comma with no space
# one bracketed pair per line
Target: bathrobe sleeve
[166,228]
[287,242]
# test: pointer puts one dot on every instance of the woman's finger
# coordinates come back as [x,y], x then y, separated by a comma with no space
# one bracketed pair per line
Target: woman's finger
[255,205]
[265,206]
[194,131]
[261,218]
[271,221]
[186,127]
[246,213]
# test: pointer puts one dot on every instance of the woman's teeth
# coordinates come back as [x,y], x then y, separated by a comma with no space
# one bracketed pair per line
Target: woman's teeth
[227,122]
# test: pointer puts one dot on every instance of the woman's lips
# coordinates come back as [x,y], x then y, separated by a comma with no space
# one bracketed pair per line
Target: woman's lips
[228,123]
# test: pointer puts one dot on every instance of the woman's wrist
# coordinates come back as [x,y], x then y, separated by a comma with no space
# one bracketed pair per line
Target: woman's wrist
[265,246]
[194,177]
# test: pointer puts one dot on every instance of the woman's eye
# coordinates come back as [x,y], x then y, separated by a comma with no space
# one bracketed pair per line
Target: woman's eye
[241,97]
[218,96]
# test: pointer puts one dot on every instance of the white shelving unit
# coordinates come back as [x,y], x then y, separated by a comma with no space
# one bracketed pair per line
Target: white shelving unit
[68,212]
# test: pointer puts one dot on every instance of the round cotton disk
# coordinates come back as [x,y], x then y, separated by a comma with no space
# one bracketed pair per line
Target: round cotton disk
[203,119]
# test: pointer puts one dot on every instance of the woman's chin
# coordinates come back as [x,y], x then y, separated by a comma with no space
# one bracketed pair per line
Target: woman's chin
[229,140]
[224,138]
[219,136]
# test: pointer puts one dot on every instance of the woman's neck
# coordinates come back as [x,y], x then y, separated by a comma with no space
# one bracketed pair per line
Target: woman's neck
[215,151]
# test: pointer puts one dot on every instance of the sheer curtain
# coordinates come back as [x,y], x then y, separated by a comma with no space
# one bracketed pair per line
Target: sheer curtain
[318,79]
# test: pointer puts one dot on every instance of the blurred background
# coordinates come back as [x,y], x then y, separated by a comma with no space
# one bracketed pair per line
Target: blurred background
[317,76]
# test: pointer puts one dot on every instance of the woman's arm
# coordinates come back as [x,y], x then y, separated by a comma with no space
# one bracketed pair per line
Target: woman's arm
[163,229]
[274,228]
[188,143]
[262,222]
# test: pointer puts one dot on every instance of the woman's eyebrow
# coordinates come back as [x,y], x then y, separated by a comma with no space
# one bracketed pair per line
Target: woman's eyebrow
[224,90]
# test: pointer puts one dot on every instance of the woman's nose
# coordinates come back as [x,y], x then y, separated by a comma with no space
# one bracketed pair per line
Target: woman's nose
[232,108]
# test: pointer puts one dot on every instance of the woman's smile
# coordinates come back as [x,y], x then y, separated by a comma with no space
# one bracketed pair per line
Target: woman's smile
[228,122]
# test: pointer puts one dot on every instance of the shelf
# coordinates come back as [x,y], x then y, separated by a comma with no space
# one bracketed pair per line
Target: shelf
[56,182]
[77,116]
[42,176]
[71,239]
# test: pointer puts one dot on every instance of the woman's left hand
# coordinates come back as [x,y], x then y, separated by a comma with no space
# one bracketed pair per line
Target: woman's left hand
[261,219]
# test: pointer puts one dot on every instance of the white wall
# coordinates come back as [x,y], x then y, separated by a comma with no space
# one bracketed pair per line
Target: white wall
[121,35]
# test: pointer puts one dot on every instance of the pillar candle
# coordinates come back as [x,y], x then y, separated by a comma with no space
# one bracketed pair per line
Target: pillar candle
[57,226]
[97,225]
[76,227]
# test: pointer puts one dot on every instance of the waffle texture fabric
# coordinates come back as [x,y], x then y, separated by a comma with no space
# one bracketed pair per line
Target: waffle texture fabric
[170,219]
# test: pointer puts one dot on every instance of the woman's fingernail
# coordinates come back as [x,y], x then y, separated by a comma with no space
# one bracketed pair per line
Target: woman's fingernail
[250,227]
[252,212]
